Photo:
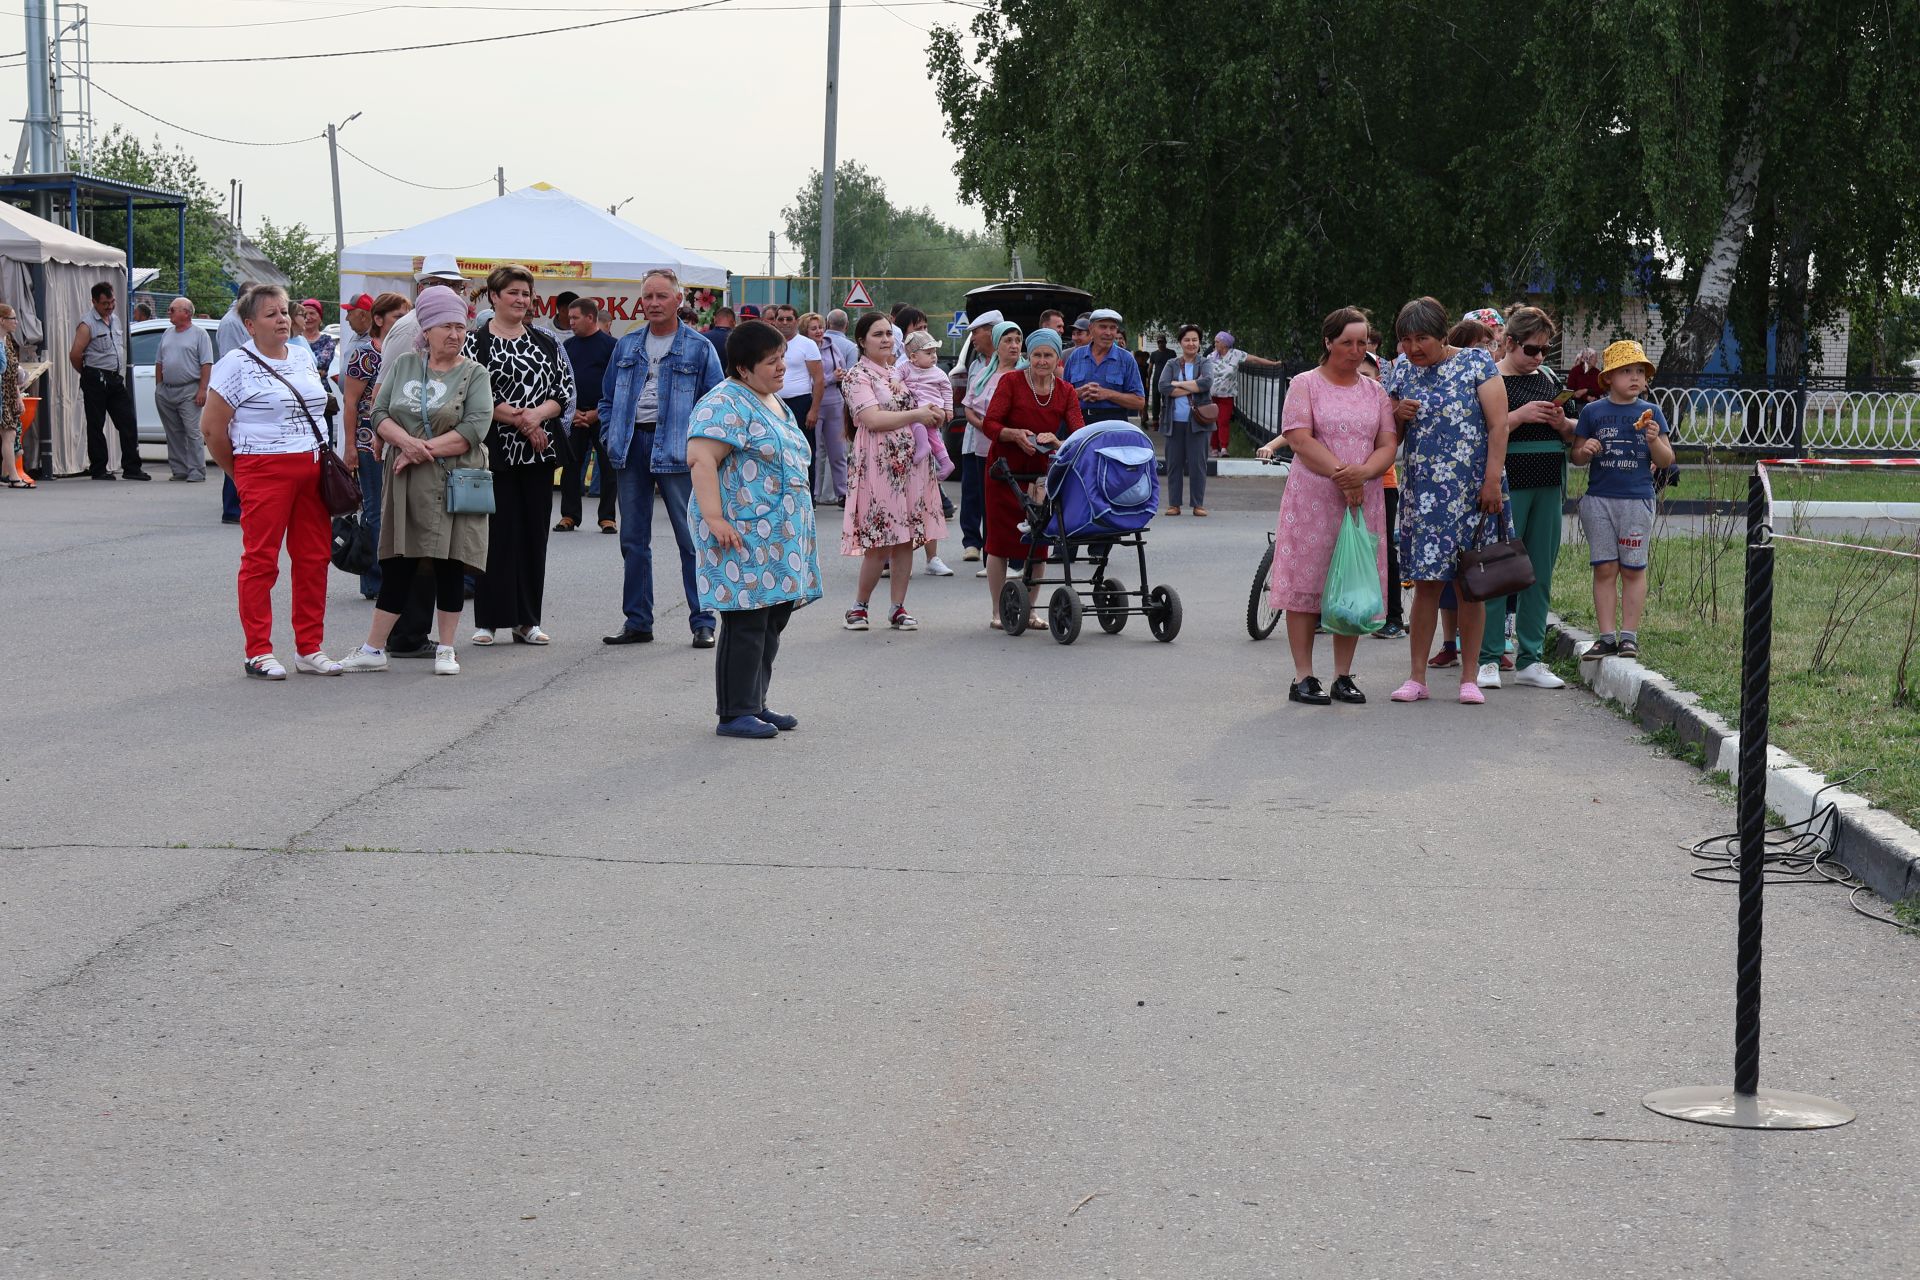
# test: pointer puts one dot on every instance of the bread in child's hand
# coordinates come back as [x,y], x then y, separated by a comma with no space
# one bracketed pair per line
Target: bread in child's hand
[1646,418]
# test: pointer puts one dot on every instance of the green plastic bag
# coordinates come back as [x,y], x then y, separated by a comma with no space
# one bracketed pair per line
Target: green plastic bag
[1351,603]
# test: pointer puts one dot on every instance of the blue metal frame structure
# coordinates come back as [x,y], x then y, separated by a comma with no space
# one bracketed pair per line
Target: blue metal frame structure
[86,190]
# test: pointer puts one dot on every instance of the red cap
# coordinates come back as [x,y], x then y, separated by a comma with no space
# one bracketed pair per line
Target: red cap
[362,303]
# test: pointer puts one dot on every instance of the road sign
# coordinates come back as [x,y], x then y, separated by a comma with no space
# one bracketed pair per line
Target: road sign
[858,296]
[960,318]
[956,330]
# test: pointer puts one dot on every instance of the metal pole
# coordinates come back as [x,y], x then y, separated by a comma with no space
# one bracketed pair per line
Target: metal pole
[39,77]
[1747,1106]
[772,270]
[500,180]
[824,267]
[339,223]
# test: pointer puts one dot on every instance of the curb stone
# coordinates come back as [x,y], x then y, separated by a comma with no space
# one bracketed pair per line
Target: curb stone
[1879,848]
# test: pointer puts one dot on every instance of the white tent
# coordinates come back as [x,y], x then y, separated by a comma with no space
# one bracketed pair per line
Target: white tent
[47,274]
[566,242]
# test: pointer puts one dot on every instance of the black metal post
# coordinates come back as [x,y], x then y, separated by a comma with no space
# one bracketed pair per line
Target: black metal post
[1756,668]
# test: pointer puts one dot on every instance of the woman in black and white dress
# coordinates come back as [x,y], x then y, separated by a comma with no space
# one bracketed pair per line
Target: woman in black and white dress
[532,383]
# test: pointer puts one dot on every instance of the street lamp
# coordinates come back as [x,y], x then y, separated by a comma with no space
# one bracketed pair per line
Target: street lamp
[333,157]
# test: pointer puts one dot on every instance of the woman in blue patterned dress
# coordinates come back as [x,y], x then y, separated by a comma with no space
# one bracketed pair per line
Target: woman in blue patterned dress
[1452,409]
[751,516]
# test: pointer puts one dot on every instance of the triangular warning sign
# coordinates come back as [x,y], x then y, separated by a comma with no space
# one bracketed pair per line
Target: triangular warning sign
[857,296]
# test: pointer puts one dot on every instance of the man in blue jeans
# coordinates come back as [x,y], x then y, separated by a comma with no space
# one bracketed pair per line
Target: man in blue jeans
[656,376]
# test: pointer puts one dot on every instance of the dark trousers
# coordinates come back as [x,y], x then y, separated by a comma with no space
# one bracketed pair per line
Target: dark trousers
[373,477]
[743,660]
[1186,459]
[515,585]
[973,499]
[397,575]
[105,395]
[1393,558]
[229,500]
[414,630]
[586,443]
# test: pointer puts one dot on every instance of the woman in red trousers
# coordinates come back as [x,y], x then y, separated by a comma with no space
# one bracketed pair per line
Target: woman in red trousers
[265,401]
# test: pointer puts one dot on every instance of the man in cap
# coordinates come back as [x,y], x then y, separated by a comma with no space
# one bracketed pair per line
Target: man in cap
[973,446]
[1082,323]
[720,330]
[437,270]
[1106,377]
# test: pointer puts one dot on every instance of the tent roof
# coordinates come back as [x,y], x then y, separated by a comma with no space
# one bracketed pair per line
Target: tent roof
[537,225]
[26,238]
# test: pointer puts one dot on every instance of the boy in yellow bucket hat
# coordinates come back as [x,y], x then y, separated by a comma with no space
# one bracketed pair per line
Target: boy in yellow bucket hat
[1622,438]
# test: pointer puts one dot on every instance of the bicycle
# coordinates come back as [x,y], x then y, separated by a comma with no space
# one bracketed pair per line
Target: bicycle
[1262,617]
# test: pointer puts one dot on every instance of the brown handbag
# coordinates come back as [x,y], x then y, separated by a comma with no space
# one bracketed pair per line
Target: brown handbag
[1494,569]
[339,488]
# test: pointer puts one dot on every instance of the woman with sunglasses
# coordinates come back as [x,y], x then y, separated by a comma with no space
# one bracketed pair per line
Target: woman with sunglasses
[1539,432]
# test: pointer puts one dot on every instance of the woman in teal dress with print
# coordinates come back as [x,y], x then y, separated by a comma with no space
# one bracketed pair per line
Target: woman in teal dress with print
[751,514]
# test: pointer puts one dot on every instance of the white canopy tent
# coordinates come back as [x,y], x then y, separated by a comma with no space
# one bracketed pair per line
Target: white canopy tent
[566,242]
[47,274]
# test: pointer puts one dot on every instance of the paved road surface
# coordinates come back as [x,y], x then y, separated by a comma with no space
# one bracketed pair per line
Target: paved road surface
[525,973]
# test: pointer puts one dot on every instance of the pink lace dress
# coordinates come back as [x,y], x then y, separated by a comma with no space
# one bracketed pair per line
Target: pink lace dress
[891,499]
[1348,421]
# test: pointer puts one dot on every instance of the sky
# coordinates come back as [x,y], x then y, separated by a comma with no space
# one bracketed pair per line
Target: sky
[708,120]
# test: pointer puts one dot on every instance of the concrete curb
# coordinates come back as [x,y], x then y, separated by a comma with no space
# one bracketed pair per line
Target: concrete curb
[1881,849]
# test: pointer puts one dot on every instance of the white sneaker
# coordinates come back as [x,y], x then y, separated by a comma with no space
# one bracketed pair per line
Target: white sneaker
[937,568]
[979,573]
[1538,675]
[1489,677]
[316,663]
[444,661]
[365,659]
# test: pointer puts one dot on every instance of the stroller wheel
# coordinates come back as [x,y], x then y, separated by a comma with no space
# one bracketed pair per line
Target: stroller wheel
[1014,604]
[1110,603]
[1163,613]
[1063,615]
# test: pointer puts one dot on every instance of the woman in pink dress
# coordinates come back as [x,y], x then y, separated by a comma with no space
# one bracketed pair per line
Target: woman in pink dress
[893,502]
[1340,428]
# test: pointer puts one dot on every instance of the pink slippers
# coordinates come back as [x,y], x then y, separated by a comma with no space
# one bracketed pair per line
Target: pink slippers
[1411,691]
[1471,695]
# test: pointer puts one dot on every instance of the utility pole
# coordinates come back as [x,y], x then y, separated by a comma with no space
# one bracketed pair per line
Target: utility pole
[40,123]
[500,180]
[824,267]
[333,157]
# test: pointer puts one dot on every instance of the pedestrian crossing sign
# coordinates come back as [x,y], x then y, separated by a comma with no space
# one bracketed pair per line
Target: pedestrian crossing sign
[858,296]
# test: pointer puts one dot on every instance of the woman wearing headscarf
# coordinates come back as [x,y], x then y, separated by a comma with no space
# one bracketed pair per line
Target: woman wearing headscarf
[532,382]
[433,408]
[1185,386]
[1224,370]
[751,514]
[1032,408]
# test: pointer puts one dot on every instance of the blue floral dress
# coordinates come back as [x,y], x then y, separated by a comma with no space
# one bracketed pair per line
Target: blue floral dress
[1446,460]
[764,490]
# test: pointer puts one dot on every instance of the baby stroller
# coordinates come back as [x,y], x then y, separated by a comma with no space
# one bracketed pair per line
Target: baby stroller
[1101,494]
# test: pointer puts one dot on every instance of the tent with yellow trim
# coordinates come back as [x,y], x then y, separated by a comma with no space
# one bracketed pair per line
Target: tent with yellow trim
[567,243]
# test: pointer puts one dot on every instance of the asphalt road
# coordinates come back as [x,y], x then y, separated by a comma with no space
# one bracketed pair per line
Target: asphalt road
[1015,960]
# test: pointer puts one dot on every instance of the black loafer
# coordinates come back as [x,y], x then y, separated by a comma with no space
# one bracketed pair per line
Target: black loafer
[703,638]
[1345,690]
[629,636]
[1309,692]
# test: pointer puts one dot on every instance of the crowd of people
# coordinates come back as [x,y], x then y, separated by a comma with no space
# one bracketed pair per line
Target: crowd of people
[454,414]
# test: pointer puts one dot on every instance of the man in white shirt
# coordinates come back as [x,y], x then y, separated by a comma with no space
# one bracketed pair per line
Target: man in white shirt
[805,382]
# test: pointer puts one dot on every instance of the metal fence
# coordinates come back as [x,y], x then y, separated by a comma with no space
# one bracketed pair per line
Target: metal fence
[1820,419]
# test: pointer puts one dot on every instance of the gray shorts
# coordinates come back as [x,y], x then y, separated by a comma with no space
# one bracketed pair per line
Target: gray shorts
[1618,529]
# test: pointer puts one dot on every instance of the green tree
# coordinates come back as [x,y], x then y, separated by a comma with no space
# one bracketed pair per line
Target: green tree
[875,239]
[305,259]
[123,156]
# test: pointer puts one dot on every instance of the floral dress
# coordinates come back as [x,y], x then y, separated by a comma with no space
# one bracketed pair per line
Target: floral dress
[763,489]
[1446,460]
[891,499]
[1348,421]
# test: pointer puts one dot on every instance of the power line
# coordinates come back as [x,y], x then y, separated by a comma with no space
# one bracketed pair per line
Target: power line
[238,142]
[424,186]
[229,26]
[405,48]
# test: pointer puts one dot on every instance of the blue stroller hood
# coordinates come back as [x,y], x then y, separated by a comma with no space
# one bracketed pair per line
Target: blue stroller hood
[1102,482]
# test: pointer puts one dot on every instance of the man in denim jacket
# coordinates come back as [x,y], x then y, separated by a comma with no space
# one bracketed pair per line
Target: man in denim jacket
[656,376]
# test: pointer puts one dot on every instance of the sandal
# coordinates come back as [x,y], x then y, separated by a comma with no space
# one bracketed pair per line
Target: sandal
[531,635]
[13,483]
[483,637]
[265,667]
[1171,511]
[994,624]
[1036,623]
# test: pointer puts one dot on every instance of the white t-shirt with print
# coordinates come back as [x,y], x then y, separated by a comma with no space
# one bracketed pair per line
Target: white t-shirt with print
[799,382]
[266,415]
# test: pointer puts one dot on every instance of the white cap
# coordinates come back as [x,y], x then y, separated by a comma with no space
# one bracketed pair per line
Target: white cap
[438,266]
[985,320]
[1105,313]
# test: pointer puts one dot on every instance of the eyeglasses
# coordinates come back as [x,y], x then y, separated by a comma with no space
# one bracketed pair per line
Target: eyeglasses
[1536,352]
